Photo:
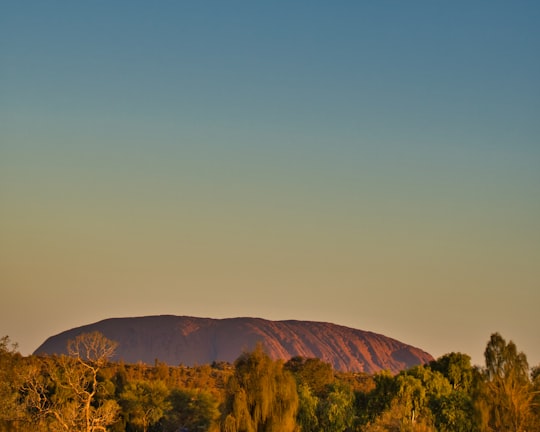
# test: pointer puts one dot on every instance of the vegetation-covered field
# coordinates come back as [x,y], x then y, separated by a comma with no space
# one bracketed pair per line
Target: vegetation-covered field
[86,392]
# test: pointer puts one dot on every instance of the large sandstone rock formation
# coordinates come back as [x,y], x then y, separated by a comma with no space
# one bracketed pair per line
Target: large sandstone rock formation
[187,340]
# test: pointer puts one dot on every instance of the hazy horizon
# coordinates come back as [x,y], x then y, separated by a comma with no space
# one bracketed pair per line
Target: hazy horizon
[370,165]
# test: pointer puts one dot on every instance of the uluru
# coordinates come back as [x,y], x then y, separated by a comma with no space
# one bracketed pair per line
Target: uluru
[192,341]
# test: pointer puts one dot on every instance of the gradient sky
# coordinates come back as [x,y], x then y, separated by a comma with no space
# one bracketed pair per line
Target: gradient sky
[371,164]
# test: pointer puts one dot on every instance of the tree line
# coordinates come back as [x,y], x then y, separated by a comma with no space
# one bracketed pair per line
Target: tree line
[85,391]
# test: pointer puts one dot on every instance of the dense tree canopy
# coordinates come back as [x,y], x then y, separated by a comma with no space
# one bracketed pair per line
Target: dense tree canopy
[261,396]
[85,391]
[508,391]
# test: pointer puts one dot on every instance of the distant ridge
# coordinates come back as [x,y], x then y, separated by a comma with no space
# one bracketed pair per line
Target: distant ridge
[189,341]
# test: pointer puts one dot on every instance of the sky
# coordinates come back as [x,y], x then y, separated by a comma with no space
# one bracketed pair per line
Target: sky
[371,164]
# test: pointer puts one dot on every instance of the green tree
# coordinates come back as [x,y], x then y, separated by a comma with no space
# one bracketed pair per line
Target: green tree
[315,373]
[508,391]
[408,408]
[412,397]
[261,396]
[372,404]
[308,404]
[191,409]
[453,413]
[457,368]
[336,410]
[434,383]
[145,402]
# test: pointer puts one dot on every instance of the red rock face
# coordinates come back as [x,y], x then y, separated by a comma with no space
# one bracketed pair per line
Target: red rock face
[187,340]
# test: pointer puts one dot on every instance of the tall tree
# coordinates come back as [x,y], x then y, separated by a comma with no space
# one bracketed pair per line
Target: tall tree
[508,388]
[452,407]
[261,396]
[92,351]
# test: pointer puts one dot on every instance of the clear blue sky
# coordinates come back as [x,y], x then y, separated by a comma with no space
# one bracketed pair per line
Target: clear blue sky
[372,164]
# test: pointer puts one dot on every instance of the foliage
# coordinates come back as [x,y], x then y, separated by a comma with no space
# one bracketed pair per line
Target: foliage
[336,409]
[191,410]
[11,379]
[261,396]
[145,403]
[453,412]
[450,395]
[307,418]
[456,367]
[62,392]
[508,391]
[87,392]
[372,404]
[313,372]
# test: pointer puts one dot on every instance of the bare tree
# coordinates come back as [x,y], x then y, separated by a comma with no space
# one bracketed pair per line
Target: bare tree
[61,390]
[92,351]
